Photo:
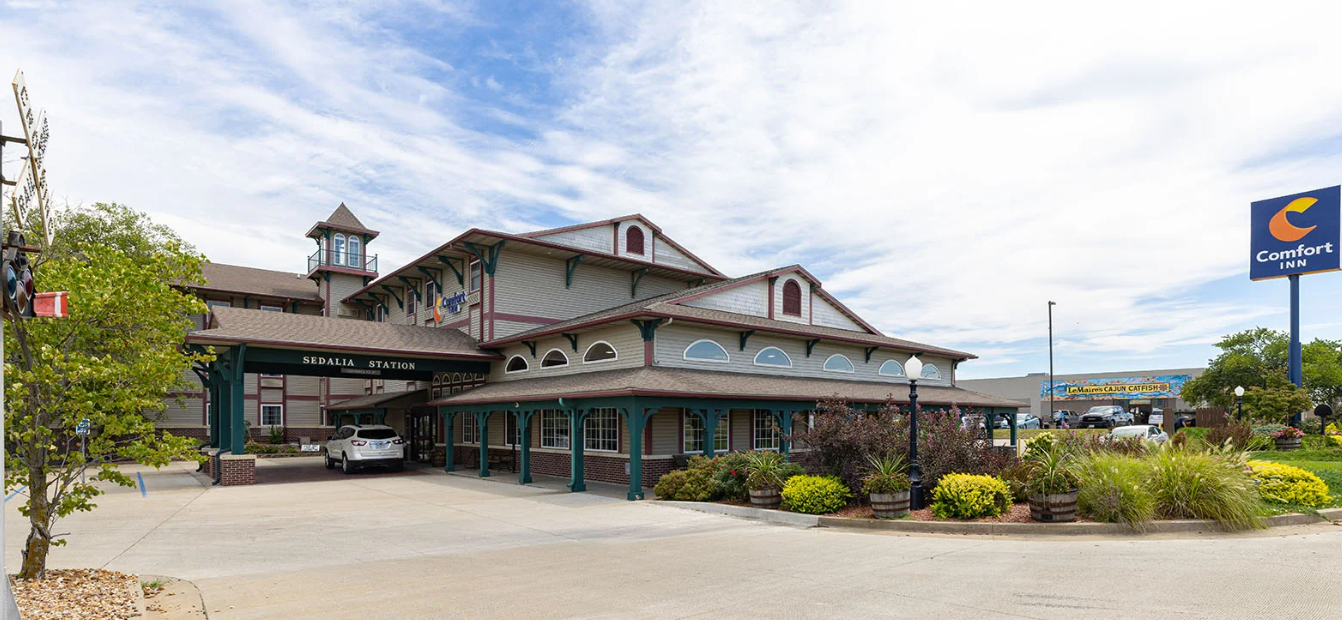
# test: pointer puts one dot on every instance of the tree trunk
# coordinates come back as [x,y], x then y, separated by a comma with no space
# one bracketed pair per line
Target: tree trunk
[39,520]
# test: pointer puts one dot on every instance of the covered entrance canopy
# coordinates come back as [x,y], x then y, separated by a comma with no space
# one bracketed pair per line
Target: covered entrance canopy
[257,341]
[638,393]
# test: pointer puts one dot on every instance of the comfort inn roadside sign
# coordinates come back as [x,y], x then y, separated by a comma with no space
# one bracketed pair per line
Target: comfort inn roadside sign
[335,364]
[1296,234]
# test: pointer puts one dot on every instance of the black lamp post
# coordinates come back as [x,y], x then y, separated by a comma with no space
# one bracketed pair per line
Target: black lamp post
[914,369]
[1239,403]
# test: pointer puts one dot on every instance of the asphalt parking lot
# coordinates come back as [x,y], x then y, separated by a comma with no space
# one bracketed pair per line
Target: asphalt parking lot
[313,543]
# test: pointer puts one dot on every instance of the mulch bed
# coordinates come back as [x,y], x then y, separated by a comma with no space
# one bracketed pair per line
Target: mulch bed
[77,595]
[1019,513]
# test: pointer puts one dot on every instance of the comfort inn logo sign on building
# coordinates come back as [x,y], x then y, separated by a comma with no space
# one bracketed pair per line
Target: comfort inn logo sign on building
[1296,234]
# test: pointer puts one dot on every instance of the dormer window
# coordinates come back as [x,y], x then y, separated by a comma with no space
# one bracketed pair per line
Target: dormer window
[338,249]
[791,298]
[355,257]
[633,240]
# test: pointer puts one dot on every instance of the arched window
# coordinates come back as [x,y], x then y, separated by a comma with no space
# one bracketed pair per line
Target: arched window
[354,259]
[792,298]
[338,250]
[773,356]
[706,351]
[554,358]
[891,368]
[633,240]
[838,363]
[516,364]
[600,351]
[931,372]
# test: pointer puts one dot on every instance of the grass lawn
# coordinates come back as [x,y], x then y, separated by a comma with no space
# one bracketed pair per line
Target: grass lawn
[1327,464]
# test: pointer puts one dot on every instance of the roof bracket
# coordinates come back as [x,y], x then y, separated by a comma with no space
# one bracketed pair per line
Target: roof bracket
[531,346]
[436,280]
[410,289]
[647,327]
[745,335]
[635,277]
[461,279]
[572,340]
[696,283]
[487,254]
[869,351]
[810,346]
[570,266]
[399,303]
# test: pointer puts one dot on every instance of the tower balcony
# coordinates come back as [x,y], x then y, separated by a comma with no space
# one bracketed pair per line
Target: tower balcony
[324,258]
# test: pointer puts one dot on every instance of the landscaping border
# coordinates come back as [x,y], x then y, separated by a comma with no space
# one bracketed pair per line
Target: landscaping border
[990,529]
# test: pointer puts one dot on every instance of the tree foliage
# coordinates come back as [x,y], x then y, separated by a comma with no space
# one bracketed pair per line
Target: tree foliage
[1259,358]
[1274,405]
[114,361]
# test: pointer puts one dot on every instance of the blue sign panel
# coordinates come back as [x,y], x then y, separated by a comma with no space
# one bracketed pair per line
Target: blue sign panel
[1117,388]
[1296,234]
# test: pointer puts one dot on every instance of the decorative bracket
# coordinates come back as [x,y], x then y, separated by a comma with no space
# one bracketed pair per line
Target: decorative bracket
[399,304]
[696,283]
[646,328]
[570,266]
[810,346]
[635,277]
[487,254]
[869,351]
[531,346]
[411,288]
[572,340]
[436,280]
[745,335]
[461,278]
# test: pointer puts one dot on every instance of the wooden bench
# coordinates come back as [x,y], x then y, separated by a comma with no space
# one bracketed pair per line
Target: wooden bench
[497,460]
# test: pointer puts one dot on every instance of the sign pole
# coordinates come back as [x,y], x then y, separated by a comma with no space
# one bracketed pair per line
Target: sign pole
[1296,362]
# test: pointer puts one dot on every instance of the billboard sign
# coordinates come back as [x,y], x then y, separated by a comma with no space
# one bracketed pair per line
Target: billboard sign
[1117,388]
[1296,234]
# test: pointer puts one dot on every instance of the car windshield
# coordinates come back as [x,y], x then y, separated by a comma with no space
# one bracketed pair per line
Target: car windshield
[1021,417]
[377,433]
[1101,409]
[1128,431]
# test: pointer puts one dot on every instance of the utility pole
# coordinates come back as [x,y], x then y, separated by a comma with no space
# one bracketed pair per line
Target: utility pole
[1050,363]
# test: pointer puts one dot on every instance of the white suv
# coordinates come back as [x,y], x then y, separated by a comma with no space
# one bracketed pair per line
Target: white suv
[357,446]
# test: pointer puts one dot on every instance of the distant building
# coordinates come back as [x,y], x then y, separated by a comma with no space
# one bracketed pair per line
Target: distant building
[1139,391]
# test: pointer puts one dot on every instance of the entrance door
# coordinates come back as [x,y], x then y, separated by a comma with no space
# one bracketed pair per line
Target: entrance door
[423,423]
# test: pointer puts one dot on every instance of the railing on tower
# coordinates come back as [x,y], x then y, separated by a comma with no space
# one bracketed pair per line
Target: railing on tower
[322,258]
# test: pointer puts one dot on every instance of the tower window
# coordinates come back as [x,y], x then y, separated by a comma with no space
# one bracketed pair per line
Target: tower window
[338,249]
[355,259]
[791,298]
[633,240]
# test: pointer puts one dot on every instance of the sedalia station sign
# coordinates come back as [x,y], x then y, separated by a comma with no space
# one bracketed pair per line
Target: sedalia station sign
[348,362]
[314,364]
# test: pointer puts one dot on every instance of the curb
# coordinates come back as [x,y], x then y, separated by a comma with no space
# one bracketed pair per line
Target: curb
[1189,526]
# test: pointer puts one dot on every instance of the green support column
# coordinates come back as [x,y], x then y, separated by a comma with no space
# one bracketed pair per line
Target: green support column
[784,429]
[636,418]
[1012,421]
[711,418]
[237,403]
[213,410]
[449,450]
[223,418]
[577,422]
[990,425]
[524,429]
[482,425]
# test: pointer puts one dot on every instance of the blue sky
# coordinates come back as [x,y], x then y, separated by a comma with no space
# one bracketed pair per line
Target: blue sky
[944,169]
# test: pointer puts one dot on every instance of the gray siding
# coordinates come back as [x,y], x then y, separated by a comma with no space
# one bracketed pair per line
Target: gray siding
[805,317]
[624,338]
[829,316]
[666,254]
[672,340]
[750,299]
[595,238]
[532,285]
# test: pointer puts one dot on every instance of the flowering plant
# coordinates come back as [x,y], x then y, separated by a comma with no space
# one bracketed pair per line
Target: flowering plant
[1289,432]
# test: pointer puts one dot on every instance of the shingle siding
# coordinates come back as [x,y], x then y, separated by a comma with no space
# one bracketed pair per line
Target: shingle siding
[830,316]
[597,238]
[532,285]
[751,299]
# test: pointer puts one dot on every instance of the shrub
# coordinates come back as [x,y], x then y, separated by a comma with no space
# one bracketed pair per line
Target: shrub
[669,485]
[1016,476]
[696,486]
[729,475]
[276,434]
[1050,473]
[886,475]
[1079,444]
[945,447]
[1239,436]
[1114,489]
[764,470]
[970,496]
[1312,426]
[816,495]
[1286,484]
[1288,432]
[1189,484]
[842,437]
[1266,430]
[1043,442]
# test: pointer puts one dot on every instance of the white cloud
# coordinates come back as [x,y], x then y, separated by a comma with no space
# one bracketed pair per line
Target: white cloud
[946,167]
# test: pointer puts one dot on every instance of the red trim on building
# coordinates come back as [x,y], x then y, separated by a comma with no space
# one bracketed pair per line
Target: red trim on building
[615,242]
[670,394]
[491,307]
[647,353]
[771,299]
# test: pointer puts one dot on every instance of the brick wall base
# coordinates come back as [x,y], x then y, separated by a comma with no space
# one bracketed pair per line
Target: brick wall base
[236,471]
[596,467]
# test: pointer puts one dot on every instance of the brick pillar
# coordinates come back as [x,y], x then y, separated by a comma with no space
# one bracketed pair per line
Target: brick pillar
[237,469]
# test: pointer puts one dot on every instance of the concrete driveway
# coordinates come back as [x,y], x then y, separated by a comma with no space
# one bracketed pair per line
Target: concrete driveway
[429,545]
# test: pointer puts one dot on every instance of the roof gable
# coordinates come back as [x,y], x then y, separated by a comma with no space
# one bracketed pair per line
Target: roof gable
[341,219]
[607,236]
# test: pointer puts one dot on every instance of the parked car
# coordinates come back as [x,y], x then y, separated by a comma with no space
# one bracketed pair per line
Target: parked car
[1065,415]
[1145,431]
[1104,416]
[365,445]
[1156,417]
[1027,420]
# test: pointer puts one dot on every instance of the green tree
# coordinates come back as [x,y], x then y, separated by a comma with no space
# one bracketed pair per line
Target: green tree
[1276,405]
[1258,358]
[114,361]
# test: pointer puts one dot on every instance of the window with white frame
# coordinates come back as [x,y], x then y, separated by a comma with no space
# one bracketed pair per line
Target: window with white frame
[355,258]
[600,351]
[773,356]
[602,430]
[765,427]
[931,372]
[706,351]
[838,363]
[469,432]
[554,429]
[475,276]
[430,295]
[554,358]
[272,415]
[891,368]
[516,363]
[338,250]
[694,434]
[381,313]
[411,296]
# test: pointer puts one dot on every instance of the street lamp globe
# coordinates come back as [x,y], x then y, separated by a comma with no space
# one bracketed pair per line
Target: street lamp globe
[1239,390]
[914,368]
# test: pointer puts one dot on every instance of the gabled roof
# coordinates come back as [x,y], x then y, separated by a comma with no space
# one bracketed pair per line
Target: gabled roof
[235,279]
[668,306]
[341,219]
[661,381]
[231,326]
[661,236]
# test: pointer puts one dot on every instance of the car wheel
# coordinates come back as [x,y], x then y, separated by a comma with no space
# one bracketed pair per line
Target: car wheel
[326,456]
[345,464]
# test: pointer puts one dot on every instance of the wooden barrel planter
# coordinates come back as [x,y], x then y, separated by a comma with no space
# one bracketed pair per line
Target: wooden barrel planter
[1055,508]
[765,498]
[1288,443]
[889,505]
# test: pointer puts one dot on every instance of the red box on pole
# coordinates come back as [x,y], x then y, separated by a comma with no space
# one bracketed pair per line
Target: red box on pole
[52,305]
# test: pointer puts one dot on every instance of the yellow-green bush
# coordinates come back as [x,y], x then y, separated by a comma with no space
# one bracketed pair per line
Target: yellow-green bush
[815,495]
[1289,485]
[968,496]
[686,485]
